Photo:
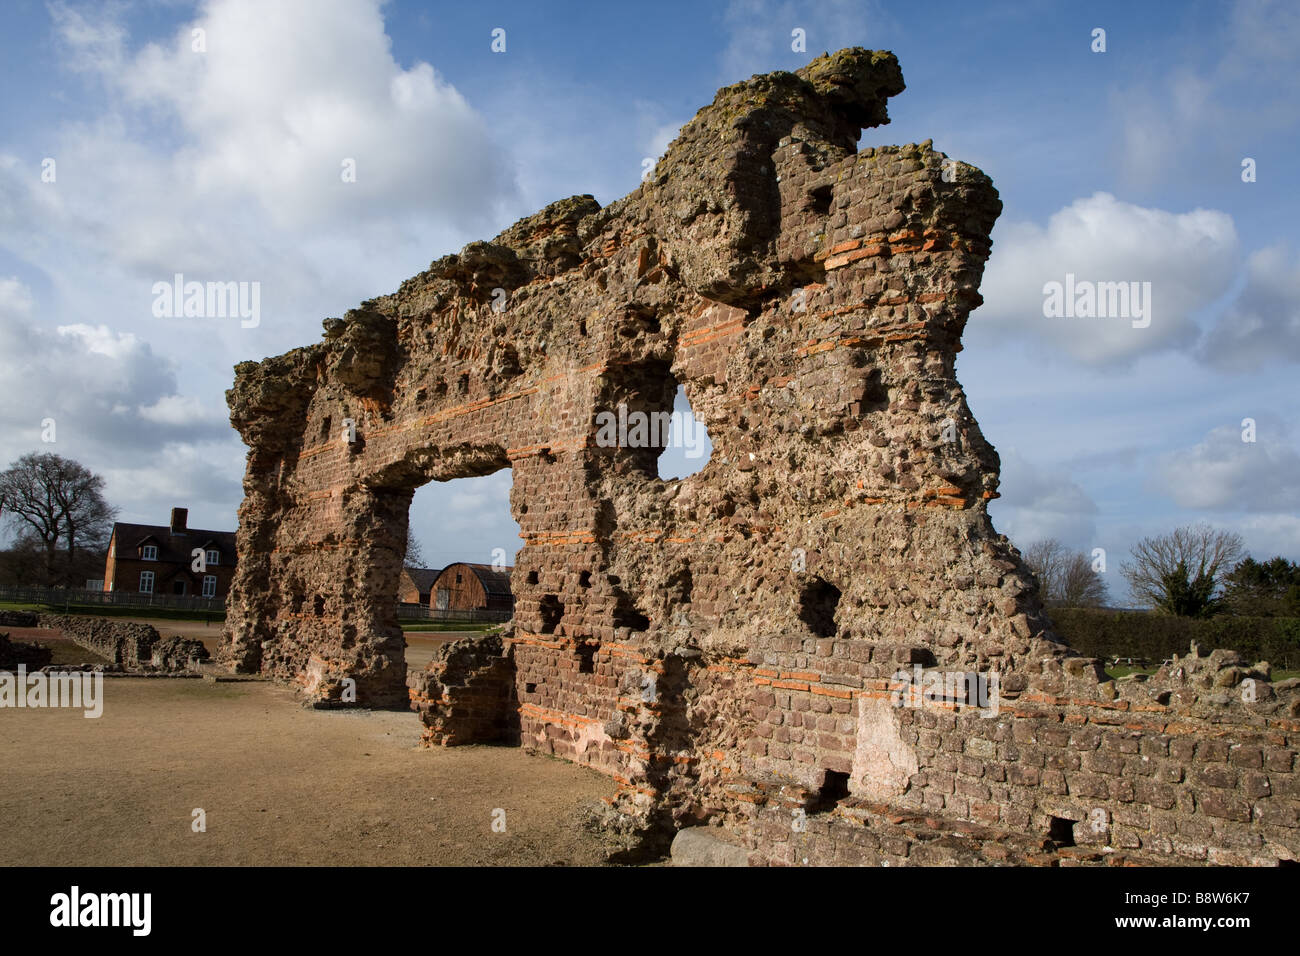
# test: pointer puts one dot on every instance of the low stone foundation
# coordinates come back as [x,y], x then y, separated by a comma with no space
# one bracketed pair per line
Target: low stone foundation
[132,646]
[467,695]
[31,656]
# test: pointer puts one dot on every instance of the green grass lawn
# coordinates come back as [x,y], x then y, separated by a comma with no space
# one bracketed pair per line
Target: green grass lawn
[1124,670]
[442,626]
[103,610]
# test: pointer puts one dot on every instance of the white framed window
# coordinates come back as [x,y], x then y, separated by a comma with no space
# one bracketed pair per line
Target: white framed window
[213,557]
[146,582]
[149,553]
[209,585]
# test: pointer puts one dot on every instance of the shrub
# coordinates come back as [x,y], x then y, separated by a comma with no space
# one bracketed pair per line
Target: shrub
[1095,632]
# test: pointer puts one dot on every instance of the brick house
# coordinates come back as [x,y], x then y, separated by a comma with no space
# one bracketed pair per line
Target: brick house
[465,587]
[416,585]
[159,559]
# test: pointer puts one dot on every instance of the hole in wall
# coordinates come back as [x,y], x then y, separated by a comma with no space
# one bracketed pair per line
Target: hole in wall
[818,601]
[550,610]
[689,448]
[833,789]
[464,520]
[459,528]
[587,658]
[819,199]
[1061,831]
[627,615]
[644,422]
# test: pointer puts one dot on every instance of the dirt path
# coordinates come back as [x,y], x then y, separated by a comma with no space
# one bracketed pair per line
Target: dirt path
[279,784]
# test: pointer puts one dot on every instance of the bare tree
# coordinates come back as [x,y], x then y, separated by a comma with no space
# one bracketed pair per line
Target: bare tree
[1065,578]
[59,502]
[1081,584]
[414,557]
[1180,572]
[1046,558]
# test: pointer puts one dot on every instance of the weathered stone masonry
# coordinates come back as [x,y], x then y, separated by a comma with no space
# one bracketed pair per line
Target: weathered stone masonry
[726,645]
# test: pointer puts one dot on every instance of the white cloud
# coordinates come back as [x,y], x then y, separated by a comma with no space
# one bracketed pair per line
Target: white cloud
[283,94]
[1263,323]
[179,410]
[201,476]
[1224,473]
[101,340]
[1188,258]
[225,166]
[661,137]
[1042,502]
[111,397]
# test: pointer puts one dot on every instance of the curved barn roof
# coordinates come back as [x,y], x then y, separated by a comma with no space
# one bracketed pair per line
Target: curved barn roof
[422,578]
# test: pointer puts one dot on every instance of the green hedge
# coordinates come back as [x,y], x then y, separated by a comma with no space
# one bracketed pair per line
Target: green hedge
[1099,633]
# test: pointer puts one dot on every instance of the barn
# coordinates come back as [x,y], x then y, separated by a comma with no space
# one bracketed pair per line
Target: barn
[415,586]
[465,587]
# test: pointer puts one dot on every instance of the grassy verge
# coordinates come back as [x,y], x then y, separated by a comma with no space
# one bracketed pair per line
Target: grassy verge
[101,610]
[443,626]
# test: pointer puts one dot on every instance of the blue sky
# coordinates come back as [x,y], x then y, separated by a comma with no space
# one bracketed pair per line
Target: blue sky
[1123,165]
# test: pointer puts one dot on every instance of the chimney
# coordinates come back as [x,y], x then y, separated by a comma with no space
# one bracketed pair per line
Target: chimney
[179,517]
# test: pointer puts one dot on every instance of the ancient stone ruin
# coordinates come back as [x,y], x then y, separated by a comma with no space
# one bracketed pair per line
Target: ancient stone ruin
[766,649]
[127,646]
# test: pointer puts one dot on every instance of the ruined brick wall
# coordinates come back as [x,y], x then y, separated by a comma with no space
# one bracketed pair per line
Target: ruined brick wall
[1196,764]
[121,642]
[468,694]
[129,645]
[724,645]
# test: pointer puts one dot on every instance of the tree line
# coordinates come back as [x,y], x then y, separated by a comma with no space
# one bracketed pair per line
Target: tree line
[1195,571]
[62,523]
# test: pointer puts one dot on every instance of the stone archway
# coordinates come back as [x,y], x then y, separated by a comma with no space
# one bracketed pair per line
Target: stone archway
[809,298]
